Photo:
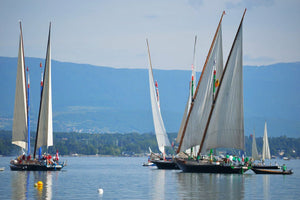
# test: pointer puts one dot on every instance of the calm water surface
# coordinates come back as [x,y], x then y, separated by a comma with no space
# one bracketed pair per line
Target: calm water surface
[126,178]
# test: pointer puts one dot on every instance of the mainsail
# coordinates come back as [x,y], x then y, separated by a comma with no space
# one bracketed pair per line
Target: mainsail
[200,108]
[255,155]
[160,131]
[266,149]
[20,129]
[44,129]
[226,126]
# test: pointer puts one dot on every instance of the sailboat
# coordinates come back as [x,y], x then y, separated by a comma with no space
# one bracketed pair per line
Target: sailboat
[255,155]
[268,169]
[265,153]
[160,131]
[216,117]
[44,135]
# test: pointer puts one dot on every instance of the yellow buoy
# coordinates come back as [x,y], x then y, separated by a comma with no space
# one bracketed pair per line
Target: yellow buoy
[40,183]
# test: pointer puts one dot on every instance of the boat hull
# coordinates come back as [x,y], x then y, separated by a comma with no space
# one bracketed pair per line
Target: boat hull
[35,166]
[267,171]
[165,164]
[265,167]
[206,167]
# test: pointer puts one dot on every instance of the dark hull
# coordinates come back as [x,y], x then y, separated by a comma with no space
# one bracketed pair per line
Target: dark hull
[34,166]
[265,167]
[204,167]
[266,171]
[165,164]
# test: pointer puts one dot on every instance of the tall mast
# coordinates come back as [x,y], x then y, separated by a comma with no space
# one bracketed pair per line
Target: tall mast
[41,67]
[216,96]
[193,70]
[149,56]
[37,132]
[28,114]
[192,105]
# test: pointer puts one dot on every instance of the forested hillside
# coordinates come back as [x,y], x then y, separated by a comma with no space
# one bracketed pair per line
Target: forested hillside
[129,144]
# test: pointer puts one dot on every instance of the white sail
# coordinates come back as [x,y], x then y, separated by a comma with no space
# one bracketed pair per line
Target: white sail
[45,132]
[255,155]
[266,149]
[204,95]
[183,121]
[19,131]
[160,131]
[226,127]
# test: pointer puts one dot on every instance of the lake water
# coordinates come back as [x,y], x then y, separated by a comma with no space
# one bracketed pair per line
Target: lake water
[126,178]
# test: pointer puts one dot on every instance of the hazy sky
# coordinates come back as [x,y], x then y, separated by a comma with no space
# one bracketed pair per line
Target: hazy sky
[112,33]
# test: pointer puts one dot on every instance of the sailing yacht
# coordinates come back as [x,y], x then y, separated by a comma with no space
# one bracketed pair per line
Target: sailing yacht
[160,131]
[216,117]
[265,153]
[44,135]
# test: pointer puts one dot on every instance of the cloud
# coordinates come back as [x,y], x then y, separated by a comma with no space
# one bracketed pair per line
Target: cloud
[195,3]
[249,4]
[257,60]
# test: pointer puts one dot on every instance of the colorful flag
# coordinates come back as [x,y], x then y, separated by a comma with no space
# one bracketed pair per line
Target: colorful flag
[217,83]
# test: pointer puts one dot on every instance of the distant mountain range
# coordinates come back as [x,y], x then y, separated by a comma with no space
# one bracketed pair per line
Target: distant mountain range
[96,99]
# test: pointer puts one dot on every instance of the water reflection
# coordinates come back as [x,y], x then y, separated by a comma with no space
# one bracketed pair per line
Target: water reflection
[19,184]
[210,186]
[23,184]
[159,177]
[266,184]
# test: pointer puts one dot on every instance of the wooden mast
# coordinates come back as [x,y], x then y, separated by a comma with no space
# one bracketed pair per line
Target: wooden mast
[192,104]
[149,56]
[221,80]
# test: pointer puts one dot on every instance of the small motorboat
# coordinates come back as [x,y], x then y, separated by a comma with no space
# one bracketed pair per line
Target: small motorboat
[146,164]
[265,166]
[268,171]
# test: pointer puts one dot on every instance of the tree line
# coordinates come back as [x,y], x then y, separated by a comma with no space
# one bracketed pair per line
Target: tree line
[121,144]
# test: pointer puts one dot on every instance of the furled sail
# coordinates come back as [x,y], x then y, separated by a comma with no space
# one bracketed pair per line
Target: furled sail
[254,148]
[199,112]
[160,131]
[44,129]
[266,149]
[226,127]
[19,132]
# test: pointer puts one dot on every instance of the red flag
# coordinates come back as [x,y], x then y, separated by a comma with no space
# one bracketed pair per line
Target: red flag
[56,156]
[156,85]
[40,64]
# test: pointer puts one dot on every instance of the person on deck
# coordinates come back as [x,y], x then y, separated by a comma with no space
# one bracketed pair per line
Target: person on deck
[284,168]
